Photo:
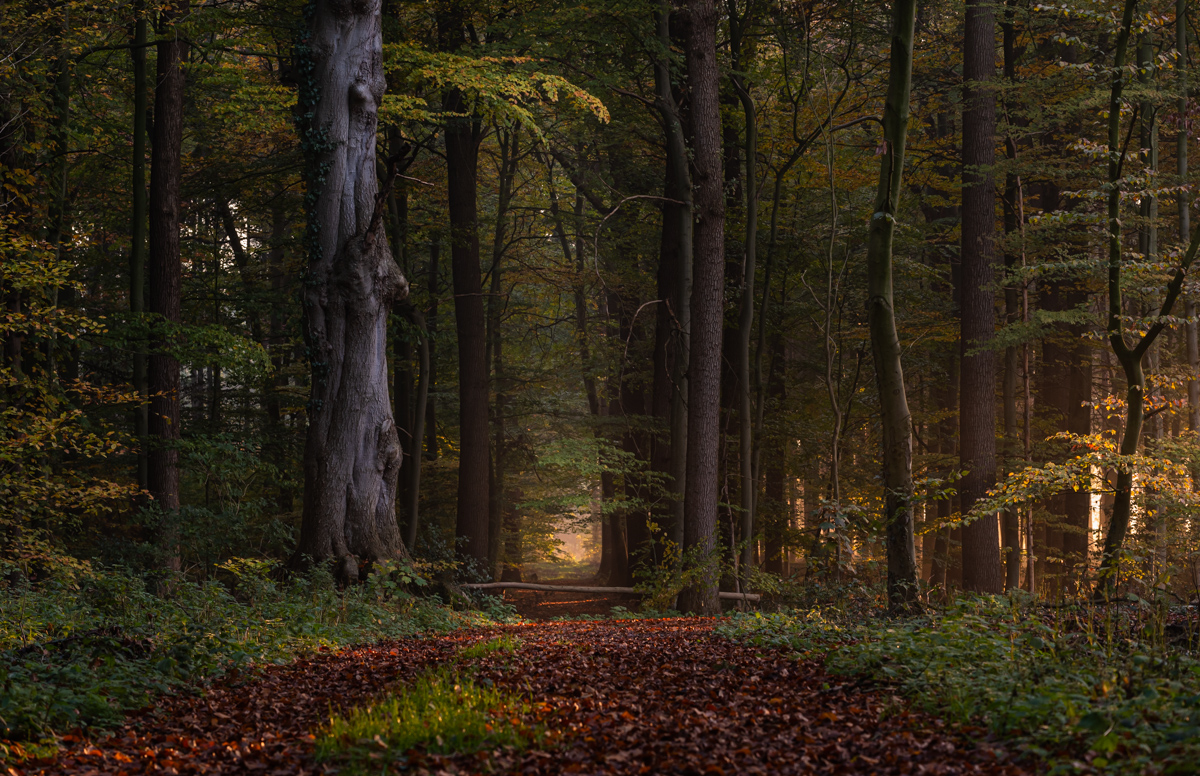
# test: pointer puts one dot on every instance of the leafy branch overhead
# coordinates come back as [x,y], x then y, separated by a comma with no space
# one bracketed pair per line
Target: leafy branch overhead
[503,90]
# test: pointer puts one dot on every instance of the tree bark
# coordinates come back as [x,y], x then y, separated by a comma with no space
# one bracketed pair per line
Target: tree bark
[164,277]
[673,325]
[707,308]
[1185,222]
[462,163]
[977,420]
[885,342]
[352,453]
[746,442]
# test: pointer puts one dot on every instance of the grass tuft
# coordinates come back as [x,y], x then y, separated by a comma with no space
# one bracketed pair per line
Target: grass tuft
[442,712]
[507,644]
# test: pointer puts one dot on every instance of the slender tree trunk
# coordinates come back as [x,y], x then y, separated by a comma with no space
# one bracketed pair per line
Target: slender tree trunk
[885,342]
[749,482]
[462,162]
[414,470]
[1185,223]
[1129,357]
[673,332]
[707,308]
[981,557]
[164,280]
[1014,214]
[509,142]
[277,444]
[431,438]
[352,454]
[137,245]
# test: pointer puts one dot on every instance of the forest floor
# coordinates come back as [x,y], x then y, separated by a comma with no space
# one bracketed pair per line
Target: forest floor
[612,697]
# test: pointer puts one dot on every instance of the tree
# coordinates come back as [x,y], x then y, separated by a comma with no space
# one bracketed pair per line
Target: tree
[885,342]
[707,309]
[352,455]
[1130,356]
[164,277]
[977,417]
[462,136]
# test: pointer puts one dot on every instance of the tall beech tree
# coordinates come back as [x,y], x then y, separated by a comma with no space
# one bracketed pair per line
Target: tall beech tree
[164,276]
[707,308]
[885,341]
[352,454]
[982,569]
[462,135]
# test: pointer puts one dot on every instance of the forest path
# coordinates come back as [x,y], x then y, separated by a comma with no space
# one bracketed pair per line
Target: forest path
[618,697]
[544,606]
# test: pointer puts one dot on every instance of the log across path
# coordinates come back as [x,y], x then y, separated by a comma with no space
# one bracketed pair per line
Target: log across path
[618,697]
[595,590]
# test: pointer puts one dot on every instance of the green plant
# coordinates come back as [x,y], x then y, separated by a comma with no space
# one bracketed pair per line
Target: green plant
[90,643]
[1086,684]
[507,644]
[441,711]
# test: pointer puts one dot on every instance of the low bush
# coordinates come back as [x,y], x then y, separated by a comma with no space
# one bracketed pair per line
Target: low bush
[1111,689]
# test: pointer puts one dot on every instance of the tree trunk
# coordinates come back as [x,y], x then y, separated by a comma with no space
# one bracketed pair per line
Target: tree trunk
[673,329]
[509,142]
[431,438]
[164,281]
[885,342]
[462,162]
[749,488]
[1182,199]
[1014,217]
[1129,357]
[352,454]
[977,420]
[707,308]
[137,244]
[414,469]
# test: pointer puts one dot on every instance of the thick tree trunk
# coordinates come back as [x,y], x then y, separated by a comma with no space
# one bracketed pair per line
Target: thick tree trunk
[352,455]
[707,308]
[885,342]
[977,420]
[164,281]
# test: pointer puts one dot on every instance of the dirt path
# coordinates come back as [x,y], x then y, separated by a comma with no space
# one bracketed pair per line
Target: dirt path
[623,697]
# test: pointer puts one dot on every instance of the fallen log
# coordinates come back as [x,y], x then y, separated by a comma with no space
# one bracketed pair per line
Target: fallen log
[581,589]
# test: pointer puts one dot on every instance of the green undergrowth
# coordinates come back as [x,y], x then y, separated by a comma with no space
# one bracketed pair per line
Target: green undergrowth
[1108,689]
[443,711]
[84,647]
[506,644]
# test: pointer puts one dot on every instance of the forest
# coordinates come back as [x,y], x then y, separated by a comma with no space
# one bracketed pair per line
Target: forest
[395,357]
